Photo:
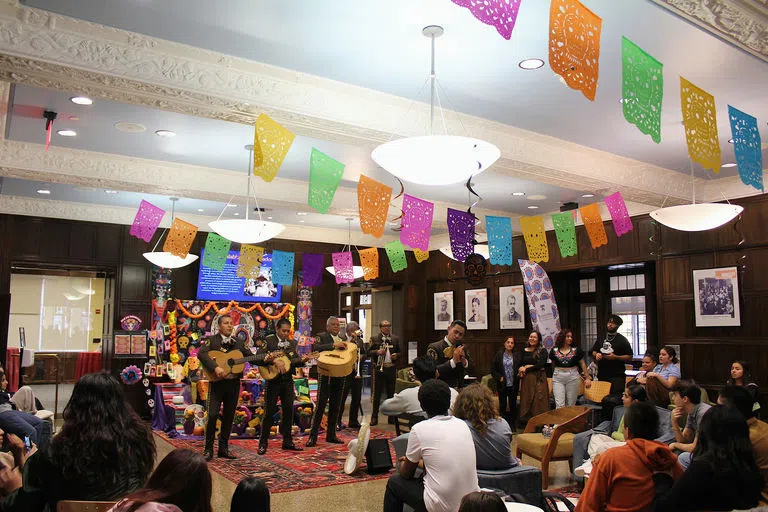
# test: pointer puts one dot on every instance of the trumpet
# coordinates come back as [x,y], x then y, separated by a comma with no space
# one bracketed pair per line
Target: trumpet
[385,345]
[448,351]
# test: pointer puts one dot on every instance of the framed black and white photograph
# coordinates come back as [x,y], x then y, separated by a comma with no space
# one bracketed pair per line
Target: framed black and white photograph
[476,308]
[511,307]
[716,292]
[443,310]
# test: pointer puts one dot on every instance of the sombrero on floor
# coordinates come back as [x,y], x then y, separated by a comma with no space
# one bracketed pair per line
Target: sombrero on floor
[357,448]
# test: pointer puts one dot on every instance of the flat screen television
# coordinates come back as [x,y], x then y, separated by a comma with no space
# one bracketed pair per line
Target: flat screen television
[225,285]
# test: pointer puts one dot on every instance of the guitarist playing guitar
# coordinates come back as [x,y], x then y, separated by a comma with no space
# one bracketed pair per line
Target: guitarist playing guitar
[226,390]
[328,387]
[281,386]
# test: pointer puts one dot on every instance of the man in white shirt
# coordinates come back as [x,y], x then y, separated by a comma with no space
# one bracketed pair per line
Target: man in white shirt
[443,446]
[407,401]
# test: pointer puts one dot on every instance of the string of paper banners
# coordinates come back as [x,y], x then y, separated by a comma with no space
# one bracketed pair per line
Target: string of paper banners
[642,91]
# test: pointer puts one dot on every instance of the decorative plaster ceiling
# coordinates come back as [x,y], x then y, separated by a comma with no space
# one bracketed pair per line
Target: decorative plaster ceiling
[553,141]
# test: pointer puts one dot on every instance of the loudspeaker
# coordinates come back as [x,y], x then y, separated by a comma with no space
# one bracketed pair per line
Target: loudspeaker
[377,456]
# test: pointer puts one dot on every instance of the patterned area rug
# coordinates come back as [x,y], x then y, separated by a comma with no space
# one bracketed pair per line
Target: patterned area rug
[570,491]
[286,471]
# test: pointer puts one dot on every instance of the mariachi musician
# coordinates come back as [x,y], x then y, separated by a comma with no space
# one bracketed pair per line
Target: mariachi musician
[450,355]
[327,387]
[279,344]
[353,383]
[226,389]
[385,353]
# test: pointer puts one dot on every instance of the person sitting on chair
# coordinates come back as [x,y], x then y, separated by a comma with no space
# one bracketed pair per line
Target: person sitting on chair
[407,401]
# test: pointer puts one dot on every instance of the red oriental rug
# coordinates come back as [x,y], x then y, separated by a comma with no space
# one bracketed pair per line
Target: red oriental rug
[286,471]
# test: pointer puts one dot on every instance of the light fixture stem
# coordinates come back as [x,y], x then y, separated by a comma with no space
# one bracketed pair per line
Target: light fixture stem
[248,190]
[432,78]
[173,215]
[693,185]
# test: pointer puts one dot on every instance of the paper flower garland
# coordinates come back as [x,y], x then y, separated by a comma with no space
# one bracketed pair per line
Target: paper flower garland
[130,375]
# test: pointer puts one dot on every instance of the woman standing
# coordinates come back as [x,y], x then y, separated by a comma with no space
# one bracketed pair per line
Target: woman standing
[534,392]
[566,360]
[663,378]
[504,368]
[740,376]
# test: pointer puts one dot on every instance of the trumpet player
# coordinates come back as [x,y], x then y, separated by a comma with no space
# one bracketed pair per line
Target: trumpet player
[451,356]
[385,353]
[353,383]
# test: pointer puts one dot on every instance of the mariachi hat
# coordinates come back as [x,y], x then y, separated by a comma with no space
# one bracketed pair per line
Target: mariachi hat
[357,448]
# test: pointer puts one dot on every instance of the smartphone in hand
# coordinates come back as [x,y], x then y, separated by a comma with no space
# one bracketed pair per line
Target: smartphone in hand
[27,444]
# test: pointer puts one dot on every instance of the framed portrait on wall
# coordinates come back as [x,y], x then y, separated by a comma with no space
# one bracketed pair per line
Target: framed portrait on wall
[476,308]
[511,307]
[443,310]
[716,297]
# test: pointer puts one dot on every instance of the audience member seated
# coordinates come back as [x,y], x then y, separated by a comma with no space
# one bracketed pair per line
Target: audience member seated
[687,400]
[491,434]
[442,446]
[102,453]
[723,474]
[181,483]
[622,477]
[480,501]
[741,399]
[741,376]
[663,378]
[22,424]
[602,437]
[407,401]
[650,360]
[251,495]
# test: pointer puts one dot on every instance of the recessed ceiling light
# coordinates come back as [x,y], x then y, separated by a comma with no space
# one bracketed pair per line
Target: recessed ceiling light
[200,210]
[269,218]
[301,213]
[731,164]
[531,63]
[230,205]
[127,127]
[518,194]
[588,195]
[301,221]
[165,133]
[111,191]
[237,213]
[67,133]
[536,197]
[533,207]
[730,141]
[44,191]
[81,100]
[74,118]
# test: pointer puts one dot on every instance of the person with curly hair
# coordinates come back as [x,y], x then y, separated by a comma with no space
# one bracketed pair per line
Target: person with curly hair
[181,483]
[491,433]
[103,452]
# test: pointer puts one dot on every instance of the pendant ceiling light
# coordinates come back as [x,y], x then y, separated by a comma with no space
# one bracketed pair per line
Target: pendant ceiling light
[165,259]
[696,216]
[435,159]
[247,230]
[357,270]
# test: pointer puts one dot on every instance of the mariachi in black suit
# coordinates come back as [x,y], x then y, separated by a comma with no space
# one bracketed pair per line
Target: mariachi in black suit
[327,388]
[454,377]
[353,384]
[384,377]
[224,391]
[281,386]
[507,389]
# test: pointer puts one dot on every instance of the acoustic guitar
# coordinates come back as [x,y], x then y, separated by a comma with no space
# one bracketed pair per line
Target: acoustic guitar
[337,362]
[231,362]
[270,371]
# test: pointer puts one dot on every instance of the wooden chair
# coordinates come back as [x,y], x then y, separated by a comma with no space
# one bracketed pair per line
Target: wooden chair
[559,446]
[84,506]
[597,391]
[404,422]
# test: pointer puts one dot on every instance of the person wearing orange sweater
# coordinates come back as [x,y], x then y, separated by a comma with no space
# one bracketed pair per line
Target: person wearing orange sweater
[622,477]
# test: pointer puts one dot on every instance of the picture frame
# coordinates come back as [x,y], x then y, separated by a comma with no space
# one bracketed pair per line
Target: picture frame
[122,344]
[476,308]
[139,344]
[511,307]
[716,297]
[443,309]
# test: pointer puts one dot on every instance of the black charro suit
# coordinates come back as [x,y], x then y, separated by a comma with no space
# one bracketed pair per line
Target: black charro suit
[454,377]
[353,384]
[328,389]
[225,391]
[281,386]
[384,379]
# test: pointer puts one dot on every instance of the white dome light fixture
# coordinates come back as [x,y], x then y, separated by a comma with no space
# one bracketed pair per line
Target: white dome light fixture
[357,270]
[435,159]
[164,259]
[247,230]
[696,216]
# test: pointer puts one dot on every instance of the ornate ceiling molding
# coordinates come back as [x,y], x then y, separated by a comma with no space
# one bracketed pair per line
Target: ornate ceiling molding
[743,23]
[49,50]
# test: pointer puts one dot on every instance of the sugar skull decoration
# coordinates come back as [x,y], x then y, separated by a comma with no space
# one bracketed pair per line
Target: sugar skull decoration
[130,323]
[475,269]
